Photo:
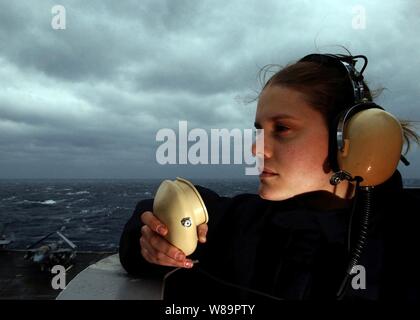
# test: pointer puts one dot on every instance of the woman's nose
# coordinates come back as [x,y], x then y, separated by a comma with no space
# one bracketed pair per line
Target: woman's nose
[266,147]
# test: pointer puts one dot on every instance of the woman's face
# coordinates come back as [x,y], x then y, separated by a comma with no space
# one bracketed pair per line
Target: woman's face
[295,144]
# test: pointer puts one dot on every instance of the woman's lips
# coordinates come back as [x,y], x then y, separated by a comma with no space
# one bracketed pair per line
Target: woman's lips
[267,173]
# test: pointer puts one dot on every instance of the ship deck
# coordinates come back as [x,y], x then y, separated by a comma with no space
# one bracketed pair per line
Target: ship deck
[21,279]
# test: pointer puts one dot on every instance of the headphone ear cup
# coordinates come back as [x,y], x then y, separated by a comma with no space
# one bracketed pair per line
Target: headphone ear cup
[336,137]
[373,140]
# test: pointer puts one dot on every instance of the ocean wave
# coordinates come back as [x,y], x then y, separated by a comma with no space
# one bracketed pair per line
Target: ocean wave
[77,193]
[101,210]
[9,198]
[84,229]
[80,200]
[46,202]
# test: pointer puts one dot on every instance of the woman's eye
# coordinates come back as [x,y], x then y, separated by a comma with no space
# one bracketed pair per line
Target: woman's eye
[279,128]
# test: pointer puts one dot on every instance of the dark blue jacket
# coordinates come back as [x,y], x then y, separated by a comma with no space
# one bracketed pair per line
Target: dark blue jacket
[289,249]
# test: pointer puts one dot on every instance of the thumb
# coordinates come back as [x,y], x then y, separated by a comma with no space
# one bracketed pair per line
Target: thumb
[202,232]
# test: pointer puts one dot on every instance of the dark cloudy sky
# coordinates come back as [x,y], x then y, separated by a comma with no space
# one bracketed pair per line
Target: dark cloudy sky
[87,101]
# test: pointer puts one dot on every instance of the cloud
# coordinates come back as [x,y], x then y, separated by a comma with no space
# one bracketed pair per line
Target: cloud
[87,101]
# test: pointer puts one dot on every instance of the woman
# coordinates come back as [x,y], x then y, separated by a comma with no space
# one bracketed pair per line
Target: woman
[288,242]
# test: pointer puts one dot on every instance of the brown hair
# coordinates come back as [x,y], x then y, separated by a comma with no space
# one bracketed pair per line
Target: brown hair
[326,89]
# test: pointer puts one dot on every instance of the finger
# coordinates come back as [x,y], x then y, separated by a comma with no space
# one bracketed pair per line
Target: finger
[164,260]
[161,258]
[146,232]
[158,256]
[146,255]
[151,255]
[202,232]
[160,244]
[149,219]
[145,244]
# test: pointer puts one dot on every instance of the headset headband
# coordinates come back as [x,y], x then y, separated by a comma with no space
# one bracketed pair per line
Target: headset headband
[348,65]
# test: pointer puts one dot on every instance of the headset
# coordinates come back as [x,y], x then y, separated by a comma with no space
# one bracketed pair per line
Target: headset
[365,144]
[362,133]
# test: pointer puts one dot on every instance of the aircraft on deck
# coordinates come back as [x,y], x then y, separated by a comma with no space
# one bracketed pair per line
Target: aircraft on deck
[50,254]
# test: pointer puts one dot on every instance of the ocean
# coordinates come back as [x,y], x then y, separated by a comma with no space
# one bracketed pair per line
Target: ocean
[91,213]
